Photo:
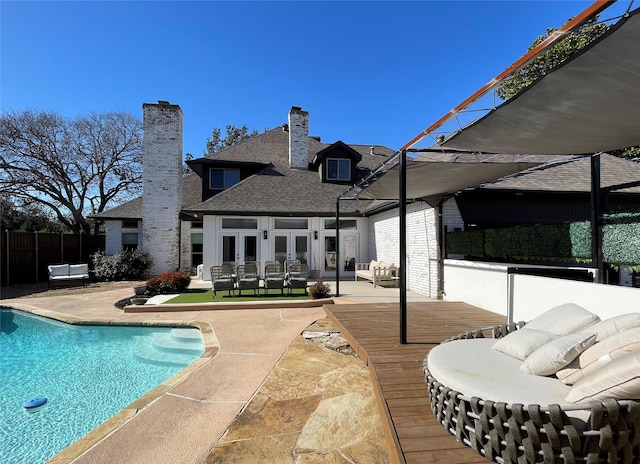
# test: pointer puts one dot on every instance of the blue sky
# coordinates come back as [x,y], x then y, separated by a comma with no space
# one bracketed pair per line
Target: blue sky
[368,72]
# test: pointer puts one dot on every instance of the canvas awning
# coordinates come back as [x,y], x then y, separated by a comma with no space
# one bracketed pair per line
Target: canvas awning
[589,104]
[434,181]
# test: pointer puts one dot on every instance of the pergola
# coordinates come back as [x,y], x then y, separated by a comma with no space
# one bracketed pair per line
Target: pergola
[588,105]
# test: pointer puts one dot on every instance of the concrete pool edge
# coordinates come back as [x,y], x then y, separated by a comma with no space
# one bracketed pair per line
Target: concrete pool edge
[102,431]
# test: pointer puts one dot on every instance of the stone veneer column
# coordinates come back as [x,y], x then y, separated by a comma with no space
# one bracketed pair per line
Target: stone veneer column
[162,184]
[298,138]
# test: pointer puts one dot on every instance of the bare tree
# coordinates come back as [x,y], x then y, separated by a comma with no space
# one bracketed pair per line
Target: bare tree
[72,167]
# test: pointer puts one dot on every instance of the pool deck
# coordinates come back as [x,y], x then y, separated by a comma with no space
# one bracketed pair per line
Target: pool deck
[252,368]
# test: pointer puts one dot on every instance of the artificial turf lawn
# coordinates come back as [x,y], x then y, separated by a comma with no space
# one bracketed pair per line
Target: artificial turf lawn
[206,296]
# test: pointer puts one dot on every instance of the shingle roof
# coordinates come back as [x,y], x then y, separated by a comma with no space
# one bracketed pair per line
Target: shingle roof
[277,190]
[574,176]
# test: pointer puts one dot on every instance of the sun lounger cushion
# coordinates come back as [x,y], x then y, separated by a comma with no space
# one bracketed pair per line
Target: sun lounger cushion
[58,270]
[601,354]
[472,368]
[564,319]
[556,354]
[523,342]
[613,325]
[619,379]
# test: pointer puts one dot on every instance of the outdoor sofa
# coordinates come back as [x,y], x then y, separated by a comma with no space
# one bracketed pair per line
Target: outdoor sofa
[563,388]
[378,272]
[68,273]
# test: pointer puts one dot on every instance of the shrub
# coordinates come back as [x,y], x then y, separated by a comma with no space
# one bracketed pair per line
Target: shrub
[169,282]
[319,289]
[124,265]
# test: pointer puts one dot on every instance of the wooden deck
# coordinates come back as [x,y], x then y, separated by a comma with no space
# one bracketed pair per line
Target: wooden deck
[413,435]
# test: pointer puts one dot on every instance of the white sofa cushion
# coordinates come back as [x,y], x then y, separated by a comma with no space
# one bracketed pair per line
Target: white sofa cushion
[601,354]
[80,270]
[521,343]
[58,270]
[556,354]
[614,325]
[620,379]
[564,319]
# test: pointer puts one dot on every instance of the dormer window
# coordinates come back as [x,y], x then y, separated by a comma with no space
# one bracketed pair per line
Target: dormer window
[220,179]
[338,169]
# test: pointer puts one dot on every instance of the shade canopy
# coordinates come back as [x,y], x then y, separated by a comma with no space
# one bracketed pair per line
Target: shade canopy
[433,181]
[589,104]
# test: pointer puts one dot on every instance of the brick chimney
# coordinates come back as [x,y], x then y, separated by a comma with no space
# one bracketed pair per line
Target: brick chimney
[298,138]
[162,184]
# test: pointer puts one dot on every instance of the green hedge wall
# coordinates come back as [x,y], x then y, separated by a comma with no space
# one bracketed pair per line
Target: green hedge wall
[562,242]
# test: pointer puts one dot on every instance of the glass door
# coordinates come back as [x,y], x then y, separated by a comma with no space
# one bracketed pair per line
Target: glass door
[291,246]
[348,253]
[239,247]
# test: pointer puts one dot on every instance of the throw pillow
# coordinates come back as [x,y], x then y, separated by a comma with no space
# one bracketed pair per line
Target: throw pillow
[556,354]
[614,325]
[564,319]
[620,379]
[521,343]
[601,354]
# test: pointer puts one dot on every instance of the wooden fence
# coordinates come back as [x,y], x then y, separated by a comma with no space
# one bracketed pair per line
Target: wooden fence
[24,256]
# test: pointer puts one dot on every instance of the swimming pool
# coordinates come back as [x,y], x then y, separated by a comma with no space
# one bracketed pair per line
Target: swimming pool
[88,373]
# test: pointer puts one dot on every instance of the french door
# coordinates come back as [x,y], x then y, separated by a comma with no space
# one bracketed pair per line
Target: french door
[239,247]
[348,253]
[291,246]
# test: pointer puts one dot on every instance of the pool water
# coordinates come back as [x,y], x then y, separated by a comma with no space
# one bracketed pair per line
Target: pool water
[88,373]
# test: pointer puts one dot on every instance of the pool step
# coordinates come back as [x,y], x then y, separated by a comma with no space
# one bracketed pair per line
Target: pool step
[164,350]
[167,342]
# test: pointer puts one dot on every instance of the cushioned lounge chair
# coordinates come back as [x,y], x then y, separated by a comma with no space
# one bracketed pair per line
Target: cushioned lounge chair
[273,277]
[248,278]
[297,277]
[222,278]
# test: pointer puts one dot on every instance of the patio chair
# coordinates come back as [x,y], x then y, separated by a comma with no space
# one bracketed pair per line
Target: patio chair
[222,279]
[248,278]
[297,277]
[273,276]
[289,262]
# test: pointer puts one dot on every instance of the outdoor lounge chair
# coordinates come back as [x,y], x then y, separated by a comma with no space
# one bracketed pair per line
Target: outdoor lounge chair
[297,277]
[248,278]
[222,278]
[273,277]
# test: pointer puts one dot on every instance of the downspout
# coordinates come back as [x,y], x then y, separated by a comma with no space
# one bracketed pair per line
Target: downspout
[441,234]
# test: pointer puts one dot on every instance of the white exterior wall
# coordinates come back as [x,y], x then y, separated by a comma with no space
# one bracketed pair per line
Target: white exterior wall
[162,185]
[522,297]
[113,236]
[212,232]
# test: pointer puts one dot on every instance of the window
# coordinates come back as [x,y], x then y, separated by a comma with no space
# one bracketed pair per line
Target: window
[338,169]
[220,179]
[238,223]
[129,242]
[196,224]
[345,224]
[129,223]
[290,223]
[196,250]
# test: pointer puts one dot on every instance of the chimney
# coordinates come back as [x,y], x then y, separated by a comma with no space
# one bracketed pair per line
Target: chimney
[298,138]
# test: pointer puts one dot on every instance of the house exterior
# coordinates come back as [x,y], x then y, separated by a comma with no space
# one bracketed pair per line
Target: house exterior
[269,197]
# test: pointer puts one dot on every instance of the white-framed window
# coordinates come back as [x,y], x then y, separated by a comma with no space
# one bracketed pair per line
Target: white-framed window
[223,178]
[338,169]
[197,249]
[290,223]
[239,223]
[129,241]
[129,223]
[345,224]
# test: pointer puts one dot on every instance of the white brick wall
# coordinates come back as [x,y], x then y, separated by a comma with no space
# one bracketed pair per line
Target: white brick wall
[298,138]
[162,183]
[422,247]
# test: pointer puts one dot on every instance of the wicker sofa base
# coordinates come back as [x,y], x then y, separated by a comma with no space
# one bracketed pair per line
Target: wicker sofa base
[516,433]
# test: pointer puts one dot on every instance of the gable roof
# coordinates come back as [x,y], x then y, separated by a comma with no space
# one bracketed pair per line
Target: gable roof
[275,190]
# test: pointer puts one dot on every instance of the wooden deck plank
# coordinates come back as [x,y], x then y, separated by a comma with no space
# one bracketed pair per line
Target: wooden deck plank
[413,434]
